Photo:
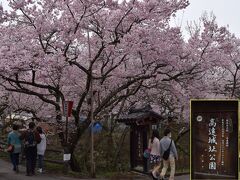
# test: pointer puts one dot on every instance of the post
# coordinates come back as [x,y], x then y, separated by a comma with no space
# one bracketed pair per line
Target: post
[65,170]
[66,159]
[66,141]
[65,113]
[67,110]
[93,174]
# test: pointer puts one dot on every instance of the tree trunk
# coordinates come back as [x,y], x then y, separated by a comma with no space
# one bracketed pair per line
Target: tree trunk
[120,145]
[74,164]
[73,141]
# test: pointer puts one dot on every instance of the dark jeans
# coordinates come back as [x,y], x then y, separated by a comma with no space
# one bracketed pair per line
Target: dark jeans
[15,160]
[31,159]
[40,161]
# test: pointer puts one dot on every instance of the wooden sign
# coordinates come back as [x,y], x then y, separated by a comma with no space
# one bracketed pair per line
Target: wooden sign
[214,139]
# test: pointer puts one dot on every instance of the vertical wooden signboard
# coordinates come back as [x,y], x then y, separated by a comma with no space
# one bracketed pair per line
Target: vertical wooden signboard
[214,139]
[139,143]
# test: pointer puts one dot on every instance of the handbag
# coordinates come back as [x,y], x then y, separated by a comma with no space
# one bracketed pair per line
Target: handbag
[167,152]
[10,148]
[146,153]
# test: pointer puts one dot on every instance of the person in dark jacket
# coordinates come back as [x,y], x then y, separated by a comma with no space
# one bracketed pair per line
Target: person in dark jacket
[31,138]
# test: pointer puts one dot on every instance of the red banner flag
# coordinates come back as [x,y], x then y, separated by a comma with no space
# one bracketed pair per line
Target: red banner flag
[67,108]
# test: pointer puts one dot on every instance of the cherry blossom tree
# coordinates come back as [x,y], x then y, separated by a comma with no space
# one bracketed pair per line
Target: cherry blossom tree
[54,50]
[212,52]
[218,51]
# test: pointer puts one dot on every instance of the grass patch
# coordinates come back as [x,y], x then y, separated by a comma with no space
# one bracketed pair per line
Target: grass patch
[108,174]
[60,169]
[53,168]
[4,155]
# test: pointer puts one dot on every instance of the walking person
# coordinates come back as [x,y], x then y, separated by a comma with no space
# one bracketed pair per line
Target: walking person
[14,146]
[31,138]
[154,145]
[41,148]
[167,145]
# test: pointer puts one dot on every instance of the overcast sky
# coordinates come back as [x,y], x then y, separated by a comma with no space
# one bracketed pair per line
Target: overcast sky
[226,11]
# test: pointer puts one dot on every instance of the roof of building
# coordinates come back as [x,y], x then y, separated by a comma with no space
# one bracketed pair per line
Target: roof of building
[137,114]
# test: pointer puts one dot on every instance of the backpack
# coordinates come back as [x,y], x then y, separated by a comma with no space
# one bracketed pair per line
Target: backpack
[167,152]
[30,139]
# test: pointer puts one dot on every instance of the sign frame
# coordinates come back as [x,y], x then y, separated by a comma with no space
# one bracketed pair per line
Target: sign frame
[200,119]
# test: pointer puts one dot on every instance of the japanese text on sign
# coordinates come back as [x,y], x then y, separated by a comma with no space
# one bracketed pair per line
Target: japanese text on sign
[212,144]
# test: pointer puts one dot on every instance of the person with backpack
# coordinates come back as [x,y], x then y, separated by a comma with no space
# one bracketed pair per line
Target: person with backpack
[14,146]
[168,153]
[31,138]
[41,148]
